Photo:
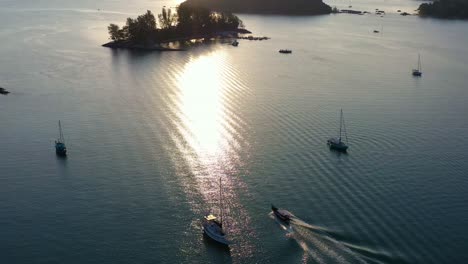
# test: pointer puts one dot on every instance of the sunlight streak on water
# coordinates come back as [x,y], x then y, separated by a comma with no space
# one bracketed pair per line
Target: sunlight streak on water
[211,145]
[201,105]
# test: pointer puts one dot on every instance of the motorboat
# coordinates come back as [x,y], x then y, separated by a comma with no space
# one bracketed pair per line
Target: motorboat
[285,51]
[281,214]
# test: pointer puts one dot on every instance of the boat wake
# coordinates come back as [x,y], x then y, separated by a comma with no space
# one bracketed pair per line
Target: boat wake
[317,243]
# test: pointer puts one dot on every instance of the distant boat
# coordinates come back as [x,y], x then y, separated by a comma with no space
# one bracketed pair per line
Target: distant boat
[60,148]
[337,143]
[212,227]
[235,43]
[283,215]
[286,51]
[418,72]
[377,31]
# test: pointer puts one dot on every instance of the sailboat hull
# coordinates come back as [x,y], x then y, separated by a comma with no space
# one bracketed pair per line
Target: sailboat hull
[339,146]
[213,230]
[62,153]
[60,149]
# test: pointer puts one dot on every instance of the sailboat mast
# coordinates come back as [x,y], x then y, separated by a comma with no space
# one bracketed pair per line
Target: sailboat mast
[341,122]
[419,62]
[346,133]
[220,201]
[60,132]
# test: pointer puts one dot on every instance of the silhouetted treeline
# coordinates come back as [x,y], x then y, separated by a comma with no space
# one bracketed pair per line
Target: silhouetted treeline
[445,9]
[187,21]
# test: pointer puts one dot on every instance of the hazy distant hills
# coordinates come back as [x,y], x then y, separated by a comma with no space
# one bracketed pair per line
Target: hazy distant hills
[285,7]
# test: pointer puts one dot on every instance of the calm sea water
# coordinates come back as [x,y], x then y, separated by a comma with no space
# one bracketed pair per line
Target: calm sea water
[150,134]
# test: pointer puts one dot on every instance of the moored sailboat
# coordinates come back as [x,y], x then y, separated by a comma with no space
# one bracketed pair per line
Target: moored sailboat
[60,148]
[337,143]
[212,226]
[418,72]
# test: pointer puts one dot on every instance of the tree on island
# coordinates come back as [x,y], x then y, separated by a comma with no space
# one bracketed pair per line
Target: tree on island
[141,30]
[167,19]
[188,21]
[445,9]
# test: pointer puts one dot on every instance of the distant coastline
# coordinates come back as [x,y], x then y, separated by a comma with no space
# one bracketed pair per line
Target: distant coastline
[281,7]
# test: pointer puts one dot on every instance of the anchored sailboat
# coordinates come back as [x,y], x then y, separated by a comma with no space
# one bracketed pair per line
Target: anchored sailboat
[212,227]
[337,143]
[418,72]
[60,148]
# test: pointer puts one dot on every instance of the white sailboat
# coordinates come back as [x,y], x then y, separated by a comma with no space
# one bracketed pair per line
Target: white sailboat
[212,227]
[418,72]
[337,143]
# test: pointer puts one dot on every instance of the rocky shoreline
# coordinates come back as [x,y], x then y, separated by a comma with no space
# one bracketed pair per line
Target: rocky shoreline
[128,44]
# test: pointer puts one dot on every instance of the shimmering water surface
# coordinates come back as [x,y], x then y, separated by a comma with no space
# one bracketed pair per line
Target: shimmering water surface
[150,134]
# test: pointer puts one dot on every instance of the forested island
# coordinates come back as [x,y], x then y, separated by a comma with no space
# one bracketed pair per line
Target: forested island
[290,7]
[188,22]
[456,9]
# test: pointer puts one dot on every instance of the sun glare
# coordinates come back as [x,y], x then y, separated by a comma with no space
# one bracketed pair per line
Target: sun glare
[201,106]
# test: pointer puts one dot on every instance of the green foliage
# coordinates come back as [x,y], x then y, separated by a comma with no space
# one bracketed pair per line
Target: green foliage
[142,29]
[445,9]
[197,19]
[188,21]
[114,32]
[167,19]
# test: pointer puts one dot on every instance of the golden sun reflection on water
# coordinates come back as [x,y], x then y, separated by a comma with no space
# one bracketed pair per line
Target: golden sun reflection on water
[201,105]
[210,143]
[202,114]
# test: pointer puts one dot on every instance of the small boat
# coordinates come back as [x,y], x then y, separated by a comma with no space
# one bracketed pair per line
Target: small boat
[212,227]
[283,215]
[235,43]
[3,91]
[418,72]
[337,143]
[285,51]
[60,148]
[379,31]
